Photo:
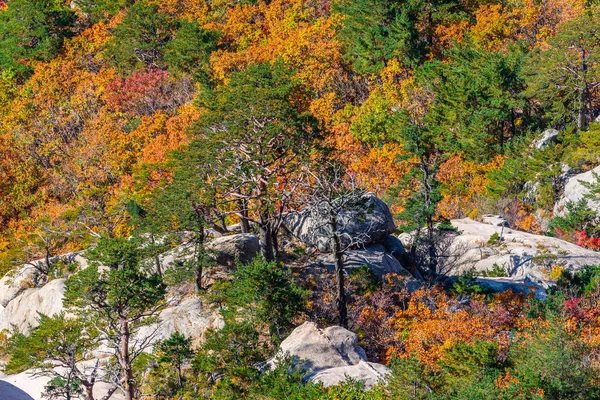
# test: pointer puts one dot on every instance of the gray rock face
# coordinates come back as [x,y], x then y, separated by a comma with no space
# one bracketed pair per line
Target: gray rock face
[243,246]
[369,222]
[574,191]
[548,136]
[526,258]
[374,257]
[326,354]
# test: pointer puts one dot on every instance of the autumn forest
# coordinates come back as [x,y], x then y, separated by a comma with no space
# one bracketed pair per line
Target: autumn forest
[240,156]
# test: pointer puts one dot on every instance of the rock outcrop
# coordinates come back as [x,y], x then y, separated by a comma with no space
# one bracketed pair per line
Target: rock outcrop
[328,355]
[243,247]
[22,311]
[368,222]
[12,392]
[525,257]
[14,283]
[575,191]
[374,257]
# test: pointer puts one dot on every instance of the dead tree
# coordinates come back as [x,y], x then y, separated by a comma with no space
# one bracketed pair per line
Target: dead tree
[328,190]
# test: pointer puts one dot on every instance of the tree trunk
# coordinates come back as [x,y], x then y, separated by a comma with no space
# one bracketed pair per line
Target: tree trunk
[199,254]
[265,228]
[243,208]
[275,241]
[179,378]
[266,240]
[338,254]
[427,190]
[124,360]
[156,256]
[89,392]
[582,115]
[583,94]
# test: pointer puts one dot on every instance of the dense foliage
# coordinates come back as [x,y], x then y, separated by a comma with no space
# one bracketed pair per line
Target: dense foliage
[97,96]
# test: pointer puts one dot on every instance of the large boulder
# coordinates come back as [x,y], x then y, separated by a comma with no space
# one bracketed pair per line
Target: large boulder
[374,257]
[28,276]
[394,246]
[318,349]
[327,355]
[524,257]
[575,191]
[23,311]
[369,221]
[243,247]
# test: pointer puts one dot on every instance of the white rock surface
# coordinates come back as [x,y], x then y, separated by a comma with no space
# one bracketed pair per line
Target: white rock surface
[23,310]
[327,355]
[574,191]
[524,256]
[370,373]
[524,286]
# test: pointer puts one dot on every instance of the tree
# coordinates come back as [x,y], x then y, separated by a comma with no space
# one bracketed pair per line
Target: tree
[140,39]
[420,208]
[185,206]
[189,52]
[250,139]
[478,102]
[33,30]
[55,349]
[265,294]
[415,130]
[566,76]
[375,32]
[118,301]
[174,352]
